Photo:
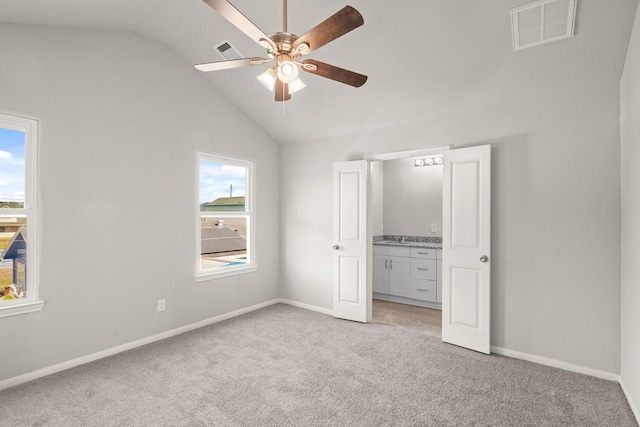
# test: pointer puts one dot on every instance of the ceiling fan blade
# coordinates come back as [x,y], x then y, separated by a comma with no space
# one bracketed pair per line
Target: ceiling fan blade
[234,63]
[334,73]
[233,15]
[282,91]
[337,25]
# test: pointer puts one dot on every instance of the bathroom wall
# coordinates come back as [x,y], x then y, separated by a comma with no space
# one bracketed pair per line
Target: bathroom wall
[412,198]
[376,170]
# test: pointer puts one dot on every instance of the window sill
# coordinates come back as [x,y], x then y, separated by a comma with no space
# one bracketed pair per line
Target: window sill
[21,308]
[202,277]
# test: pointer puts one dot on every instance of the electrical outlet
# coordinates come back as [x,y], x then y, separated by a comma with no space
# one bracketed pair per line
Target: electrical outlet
[434,228]
[162,305]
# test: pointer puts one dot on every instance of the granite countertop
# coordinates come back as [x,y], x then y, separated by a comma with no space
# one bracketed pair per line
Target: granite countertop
[426,245]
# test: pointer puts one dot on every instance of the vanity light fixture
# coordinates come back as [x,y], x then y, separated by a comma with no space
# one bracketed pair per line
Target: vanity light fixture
[428,161]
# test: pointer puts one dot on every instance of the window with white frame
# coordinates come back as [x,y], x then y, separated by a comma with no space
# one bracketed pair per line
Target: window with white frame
[225,219]
[18,215]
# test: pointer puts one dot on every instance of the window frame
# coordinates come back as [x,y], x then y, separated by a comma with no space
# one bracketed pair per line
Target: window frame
[30,211]
[248,213]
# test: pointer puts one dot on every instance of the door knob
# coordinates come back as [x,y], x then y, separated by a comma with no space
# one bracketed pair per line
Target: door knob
[336,247]
[484,258]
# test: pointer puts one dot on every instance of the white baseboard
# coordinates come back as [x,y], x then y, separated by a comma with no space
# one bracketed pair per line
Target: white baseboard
[307,306]
[555,363]
[634,408]
[30,376]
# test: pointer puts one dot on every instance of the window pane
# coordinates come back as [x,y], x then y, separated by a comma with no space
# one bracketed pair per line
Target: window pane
[223,242]
[13,258]
[222,187]
[12,168]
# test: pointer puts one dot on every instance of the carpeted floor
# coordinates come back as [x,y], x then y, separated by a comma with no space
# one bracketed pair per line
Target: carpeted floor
[285,366]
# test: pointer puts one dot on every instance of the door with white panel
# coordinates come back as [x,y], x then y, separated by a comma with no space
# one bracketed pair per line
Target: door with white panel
[352,294]
[466,266]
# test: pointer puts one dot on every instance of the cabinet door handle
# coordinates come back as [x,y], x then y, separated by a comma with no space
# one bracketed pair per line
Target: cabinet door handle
[385,263]
[423,253]
[423,290]
[423,269]
[390,264]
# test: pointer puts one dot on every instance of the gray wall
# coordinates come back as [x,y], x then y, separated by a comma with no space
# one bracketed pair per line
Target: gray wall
[122,119]
[555,218]
[412,198]
[376,187]
[630,134]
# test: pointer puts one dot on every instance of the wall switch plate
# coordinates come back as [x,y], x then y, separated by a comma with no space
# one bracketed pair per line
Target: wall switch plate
[434,228]
[162,305]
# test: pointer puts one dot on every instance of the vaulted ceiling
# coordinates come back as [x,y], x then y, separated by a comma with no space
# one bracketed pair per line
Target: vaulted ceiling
[424,58]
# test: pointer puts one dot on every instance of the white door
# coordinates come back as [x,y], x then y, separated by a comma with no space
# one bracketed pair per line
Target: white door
[351,253]
[466,237]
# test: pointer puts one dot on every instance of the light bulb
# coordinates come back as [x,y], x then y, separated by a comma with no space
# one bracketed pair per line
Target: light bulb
[287,72]
[295,85]
[268,78]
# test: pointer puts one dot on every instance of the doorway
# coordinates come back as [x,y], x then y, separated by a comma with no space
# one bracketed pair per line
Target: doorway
[406,206]
[466,236]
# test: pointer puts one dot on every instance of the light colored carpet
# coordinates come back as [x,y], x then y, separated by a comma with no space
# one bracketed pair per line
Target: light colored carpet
[284,366]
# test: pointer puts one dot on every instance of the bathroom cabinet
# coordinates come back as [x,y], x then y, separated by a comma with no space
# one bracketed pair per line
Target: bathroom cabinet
[407,272]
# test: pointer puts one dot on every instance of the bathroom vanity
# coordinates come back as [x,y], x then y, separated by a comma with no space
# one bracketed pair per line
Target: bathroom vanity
[408,270]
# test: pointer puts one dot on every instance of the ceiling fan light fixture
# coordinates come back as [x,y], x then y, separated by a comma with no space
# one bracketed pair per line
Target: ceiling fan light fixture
[268,78]
[295,85]
[287,71]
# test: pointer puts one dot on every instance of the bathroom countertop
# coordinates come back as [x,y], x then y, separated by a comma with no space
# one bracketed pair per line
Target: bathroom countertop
[426,245]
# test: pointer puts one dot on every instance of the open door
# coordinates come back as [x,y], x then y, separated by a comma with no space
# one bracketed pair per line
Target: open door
[351,280]
[466,237]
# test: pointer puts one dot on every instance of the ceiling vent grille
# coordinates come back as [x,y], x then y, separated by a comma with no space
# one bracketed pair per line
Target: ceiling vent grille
[227,51]
[542,22]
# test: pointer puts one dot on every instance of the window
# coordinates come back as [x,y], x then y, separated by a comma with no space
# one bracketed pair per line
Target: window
[225,220]
[18,210]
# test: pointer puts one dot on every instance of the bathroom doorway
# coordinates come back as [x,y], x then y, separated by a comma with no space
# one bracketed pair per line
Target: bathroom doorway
[406,206]
[464,256]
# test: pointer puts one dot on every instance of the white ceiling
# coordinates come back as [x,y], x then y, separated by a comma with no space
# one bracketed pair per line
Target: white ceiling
[424,58]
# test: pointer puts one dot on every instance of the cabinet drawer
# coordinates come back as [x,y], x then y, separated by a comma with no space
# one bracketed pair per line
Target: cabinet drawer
[380,250]
[424,290]
[398,251]
[423,253]
[423,268]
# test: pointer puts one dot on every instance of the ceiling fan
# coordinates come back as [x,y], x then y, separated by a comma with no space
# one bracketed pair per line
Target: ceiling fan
[285,48]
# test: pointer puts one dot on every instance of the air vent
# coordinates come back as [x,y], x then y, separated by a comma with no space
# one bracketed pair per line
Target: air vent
[542,22]
[227,51]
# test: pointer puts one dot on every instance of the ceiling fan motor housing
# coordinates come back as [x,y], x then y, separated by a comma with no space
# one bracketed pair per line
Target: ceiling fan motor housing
[284,41]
